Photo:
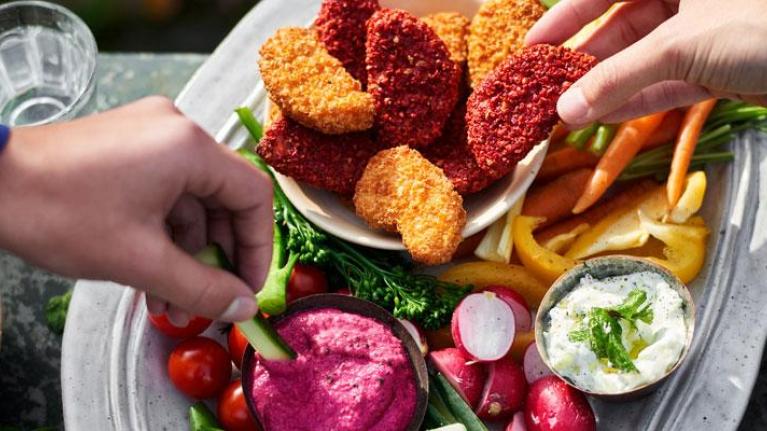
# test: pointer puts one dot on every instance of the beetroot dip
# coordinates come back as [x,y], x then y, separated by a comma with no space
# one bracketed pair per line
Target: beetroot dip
[351,373]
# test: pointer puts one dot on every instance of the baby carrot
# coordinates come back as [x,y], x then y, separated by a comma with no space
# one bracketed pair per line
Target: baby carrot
[685,147]
[554,201]
[667,131]
[627,142]
[564,160]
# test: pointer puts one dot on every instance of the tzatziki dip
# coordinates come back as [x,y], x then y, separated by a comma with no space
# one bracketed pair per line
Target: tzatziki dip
[616,334]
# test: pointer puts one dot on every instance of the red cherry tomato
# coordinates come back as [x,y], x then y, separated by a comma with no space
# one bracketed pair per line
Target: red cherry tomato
[195,326]
[306,280]
[199,367]
[233,412]
[237,345]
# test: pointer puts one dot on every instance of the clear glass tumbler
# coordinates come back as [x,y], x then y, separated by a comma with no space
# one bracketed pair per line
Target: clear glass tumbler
[47,63]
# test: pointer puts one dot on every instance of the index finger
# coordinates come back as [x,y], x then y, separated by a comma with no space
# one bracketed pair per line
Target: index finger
[565,19]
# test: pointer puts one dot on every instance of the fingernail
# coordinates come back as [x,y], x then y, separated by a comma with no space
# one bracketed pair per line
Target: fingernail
[240,309]
[572,106]
[179,319]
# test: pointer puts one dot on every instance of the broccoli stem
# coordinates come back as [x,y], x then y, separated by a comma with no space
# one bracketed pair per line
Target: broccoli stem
[272,298]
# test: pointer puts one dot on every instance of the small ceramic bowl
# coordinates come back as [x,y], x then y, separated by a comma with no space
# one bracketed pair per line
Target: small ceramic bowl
[604,267]
[361,307]
[336,215]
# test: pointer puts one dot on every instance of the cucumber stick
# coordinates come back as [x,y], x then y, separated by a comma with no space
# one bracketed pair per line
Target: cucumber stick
[257,330]
[202,419]
[457,405]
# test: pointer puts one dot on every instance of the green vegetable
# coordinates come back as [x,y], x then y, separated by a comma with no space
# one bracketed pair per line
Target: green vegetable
[603,331]
[549,3]
[457,405]
[56,311]
[602,138]
[578,138]
[272,298]
[438,412]
[369,274]
[202,419]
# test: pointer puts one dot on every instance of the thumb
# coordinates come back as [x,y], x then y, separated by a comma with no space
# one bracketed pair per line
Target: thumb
[180,279]
[611,83]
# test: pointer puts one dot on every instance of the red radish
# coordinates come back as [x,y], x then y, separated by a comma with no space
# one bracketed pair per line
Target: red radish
[417,335]
[504,392]
[467,379]
[552,405]
[522,318]
[534,366]
[483,326]
[517,423]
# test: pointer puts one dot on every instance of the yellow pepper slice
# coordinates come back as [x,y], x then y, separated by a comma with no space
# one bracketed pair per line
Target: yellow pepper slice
[685,250]
[483,274]
[544,263]
[691,200]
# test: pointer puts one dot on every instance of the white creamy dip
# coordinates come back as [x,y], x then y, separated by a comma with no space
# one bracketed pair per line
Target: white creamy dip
[654,348]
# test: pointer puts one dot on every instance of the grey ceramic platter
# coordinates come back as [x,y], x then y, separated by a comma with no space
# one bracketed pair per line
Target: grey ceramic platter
[113,364]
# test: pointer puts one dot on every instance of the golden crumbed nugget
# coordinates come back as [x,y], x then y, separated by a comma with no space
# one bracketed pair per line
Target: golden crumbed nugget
[497,31]
[453,29]
[401,188]
[311,86]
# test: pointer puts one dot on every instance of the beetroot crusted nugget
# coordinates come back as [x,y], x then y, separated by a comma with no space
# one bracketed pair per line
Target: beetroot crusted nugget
[451,153]
[341,26]
[516,106]
[413,81]
[330,162]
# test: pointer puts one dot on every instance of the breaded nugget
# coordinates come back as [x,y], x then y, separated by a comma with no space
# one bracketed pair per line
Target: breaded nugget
[497,31]
[341,26]
[330,162]
[453,29]
[451,153]
[515,107]
[311,86]
[401,186]
[413,81]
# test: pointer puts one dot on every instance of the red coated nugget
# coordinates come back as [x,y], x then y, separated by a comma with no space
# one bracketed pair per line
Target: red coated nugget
[341,26]
[413,81]
[330,162]
[515,107]
[451,153]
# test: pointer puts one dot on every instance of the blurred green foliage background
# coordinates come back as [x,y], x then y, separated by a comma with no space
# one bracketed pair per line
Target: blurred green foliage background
[159,25]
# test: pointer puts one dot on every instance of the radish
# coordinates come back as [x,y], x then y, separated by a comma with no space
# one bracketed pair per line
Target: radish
[522,317]
[517,423]
[417,335]
[483,326]
[534,366]
[504,392]
[466,378]
[552,405]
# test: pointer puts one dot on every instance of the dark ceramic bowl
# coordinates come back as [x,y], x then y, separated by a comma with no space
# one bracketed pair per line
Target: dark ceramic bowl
[604,267]
[361,307]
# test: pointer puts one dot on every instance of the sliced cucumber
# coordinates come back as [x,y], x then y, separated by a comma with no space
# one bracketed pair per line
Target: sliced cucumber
[265,339]
[213,255]
[451,427]
[457,405]
[202,419]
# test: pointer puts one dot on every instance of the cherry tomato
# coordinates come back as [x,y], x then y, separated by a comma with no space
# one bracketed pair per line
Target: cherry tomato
[233,412]
[199,367]
[195,326]
[306,280]
[237,345]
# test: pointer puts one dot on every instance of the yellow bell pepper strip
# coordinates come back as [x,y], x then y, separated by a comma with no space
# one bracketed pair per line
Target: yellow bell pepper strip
[483,274]
[521,341]
[564,241]
[543,263]
[691,200]
[685,250]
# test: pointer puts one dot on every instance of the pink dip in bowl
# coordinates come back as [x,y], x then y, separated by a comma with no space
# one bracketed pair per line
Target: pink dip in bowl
[351,374]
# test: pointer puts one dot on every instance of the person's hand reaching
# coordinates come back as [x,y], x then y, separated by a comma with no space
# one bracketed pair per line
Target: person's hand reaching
[105,197]
[660,54]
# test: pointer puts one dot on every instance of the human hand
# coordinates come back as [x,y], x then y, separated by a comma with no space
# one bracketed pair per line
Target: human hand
[91,199]
[660,54]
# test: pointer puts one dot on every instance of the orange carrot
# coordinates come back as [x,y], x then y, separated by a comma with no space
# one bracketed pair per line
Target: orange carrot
[622,198]
[685,147]
[559,133]
[564,160]
[555,200]
[627,142]
[667,130]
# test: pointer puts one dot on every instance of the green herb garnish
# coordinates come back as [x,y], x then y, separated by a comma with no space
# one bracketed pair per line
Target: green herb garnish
[56,311]
[603,331]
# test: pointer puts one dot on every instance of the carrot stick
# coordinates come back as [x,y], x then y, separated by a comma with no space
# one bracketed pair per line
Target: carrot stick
[559,133]
[667,130]
[627,142]
[564,160]
[555,200]
[629,194]
[692,124]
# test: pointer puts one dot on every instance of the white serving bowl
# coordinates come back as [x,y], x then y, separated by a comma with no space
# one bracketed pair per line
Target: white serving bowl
[336,215]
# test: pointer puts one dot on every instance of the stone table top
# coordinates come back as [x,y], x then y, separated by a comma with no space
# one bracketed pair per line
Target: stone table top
[30,355]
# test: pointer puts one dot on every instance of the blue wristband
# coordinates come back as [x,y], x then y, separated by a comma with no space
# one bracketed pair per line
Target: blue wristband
[5,133]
